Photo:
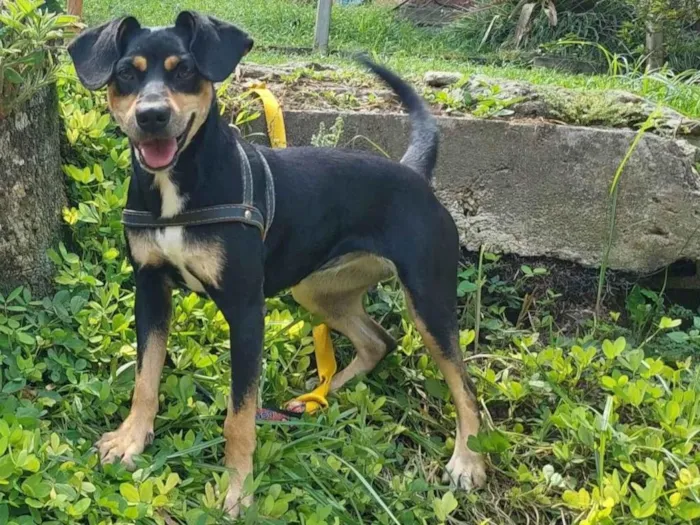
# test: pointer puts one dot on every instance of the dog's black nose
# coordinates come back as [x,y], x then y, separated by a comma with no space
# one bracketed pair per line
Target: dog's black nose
[153,119]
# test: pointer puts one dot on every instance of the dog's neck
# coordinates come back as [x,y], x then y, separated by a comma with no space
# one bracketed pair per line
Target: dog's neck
[211,150]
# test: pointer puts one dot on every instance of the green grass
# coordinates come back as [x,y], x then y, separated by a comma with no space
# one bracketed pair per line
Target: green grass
[291,23]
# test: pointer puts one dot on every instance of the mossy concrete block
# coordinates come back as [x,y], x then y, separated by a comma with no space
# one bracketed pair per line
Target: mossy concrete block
[538,189]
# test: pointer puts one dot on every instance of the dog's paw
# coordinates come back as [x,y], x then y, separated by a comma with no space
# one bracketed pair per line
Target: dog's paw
[234,502]
[126,442]
[466,471]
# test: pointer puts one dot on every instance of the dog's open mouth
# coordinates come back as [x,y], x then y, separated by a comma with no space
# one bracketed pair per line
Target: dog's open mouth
[160,154]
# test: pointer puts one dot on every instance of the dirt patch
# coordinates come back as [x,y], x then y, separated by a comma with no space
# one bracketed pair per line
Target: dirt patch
[568,290]
[434,13]
[440,3]
[311,86]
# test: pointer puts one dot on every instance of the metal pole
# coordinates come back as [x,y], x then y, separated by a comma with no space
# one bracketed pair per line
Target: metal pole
[654,47]
[323,25]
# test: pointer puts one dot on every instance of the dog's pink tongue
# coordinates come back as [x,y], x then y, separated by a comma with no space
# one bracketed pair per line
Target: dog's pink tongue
[158,153]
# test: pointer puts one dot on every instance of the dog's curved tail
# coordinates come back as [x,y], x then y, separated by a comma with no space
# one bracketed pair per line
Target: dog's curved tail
[421,154]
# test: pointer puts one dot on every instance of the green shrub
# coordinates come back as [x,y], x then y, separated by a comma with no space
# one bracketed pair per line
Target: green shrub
[617,25]
[29,40]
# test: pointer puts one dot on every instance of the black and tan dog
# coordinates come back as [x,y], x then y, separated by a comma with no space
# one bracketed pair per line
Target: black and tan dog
[343,221]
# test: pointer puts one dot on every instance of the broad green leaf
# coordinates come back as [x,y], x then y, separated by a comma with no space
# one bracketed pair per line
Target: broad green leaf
[666,322]
[612,350]
[678,337]
[14,294]
[444,506]
[146,491]
[643,511]
[673,410]
[79,508]
[32,464]
[466,287]
[170,483]
[12,75]
[675,499]
[25,338]
[196,517]
[608,382]
[130,493]
[577,500]
[688,510]
[490,441]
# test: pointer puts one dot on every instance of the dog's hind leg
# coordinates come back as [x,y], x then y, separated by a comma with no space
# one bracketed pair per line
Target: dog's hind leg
[335,294]
[371,343]
[430,284]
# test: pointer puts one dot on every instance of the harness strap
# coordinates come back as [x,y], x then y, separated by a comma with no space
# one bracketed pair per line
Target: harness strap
[246,175]
[210,215]
[245,213]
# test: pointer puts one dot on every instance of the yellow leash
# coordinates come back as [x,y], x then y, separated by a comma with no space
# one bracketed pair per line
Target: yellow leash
[273,115]
[323,346]
[327,367]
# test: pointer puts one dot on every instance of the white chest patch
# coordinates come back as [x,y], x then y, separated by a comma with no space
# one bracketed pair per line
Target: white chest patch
[171,244]
[172,202]
[197,262]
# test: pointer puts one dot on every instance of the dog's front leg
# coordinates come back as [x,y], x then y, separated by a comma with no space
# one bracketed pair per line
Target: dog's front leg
[244,312]
[152,311]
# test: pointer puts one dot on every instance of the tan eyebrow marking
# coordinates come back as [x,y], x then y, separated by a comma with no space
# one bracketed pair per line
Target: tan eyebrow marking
[171,62]
[140,63]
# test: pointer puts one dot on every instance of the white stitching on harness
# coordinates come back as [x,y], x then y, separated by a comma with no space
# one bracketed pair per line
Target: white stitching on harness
[246,175]
[249,222]
[269,193]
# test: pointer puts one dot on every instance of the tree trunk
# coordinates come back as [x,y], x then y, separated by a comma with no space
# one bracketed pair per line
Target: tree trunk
[75,8]
[32,193]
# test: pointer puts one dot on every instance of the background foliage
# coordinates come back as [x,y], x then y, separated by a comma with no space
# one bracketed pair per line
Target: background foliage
[617,25]
[29,41]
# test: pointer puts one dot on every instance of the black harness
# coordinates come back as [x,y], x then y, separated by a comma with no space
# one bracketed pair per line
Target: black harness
[246,212]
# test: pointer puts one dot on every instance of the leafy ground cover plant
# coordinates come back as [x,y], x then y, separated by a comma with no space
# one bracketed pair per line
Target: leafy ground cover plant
[592,427]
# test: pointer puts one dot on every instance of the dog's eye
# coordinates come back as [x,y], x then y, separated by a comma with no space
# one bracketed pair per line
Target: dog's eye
[125,74]
[183,71]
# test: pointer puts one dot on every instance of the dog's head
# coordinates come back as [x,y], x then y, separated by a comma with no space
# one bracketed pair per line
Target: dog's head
[159,80]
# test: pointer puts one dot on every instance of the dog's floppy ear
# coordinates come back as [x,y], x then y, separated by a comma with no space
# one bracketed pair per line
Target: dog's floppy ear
[216,46]
[95,51]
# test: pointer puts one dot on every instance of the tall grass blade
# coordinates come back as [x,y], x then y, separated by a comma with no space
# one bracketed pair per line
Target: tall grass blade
[649,123]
